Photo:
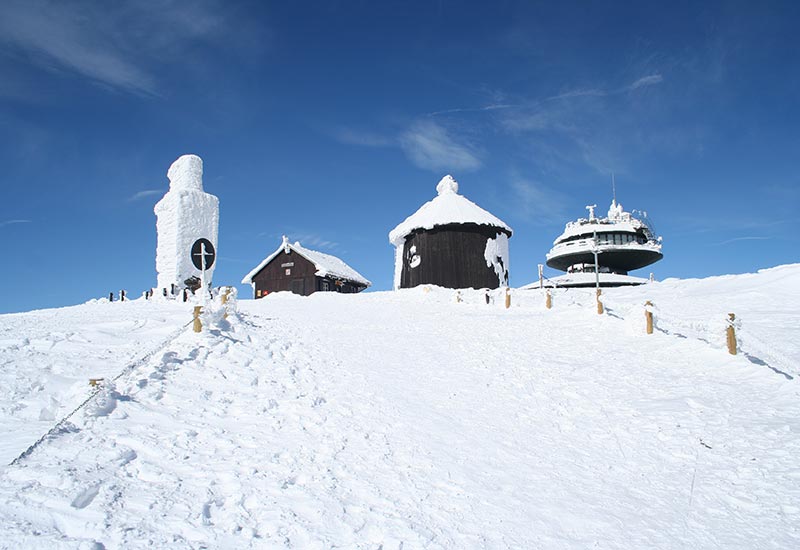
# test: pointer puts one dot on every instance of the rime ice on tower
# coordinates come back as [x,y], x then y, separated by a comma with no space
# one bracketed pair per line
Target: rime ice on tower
[184,215]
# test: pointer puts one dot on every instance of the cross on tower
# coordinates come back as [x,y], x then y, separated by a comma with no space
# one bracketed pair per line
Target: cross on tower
[203,255]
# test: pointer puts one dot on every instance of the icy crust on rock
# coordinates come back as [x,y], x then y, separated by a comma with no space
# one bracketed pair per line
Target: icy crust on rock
[327,265]
[497,257]
[186,213]
[447,208]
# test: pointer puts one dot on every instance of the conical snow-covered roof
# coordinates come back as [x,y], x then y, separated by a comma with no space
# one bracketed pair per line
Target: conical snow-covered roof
[447,208]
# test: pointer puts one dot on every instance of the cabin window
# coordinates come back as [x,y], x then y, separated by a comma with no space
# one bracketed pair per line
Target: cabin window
[288,271]
[258,294]
[325,285]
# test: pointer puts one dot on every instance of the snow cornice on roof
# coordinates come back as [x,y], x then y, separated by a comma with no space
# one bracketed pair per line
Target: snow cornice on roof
[326,264]
[445,209]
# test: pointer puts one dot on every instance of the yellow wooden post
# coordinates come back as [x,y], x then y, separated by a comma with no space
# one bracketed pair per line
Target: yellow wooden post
[197,324]
[548,300]
[599,303]
[224,300]
[508,298]
[648,315]
[731,334]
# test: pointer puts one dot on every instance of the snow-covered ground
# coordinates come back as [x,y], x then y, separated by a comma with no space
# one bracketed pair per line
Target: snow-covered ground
[409,420]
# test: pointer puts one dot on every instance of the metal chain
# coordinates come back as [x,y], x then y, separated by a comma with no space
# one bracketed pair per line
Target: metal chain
[124,371]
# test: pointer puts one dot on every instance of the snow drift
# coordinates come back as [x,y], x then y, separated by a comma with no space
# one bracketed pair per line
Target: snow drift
[407,420]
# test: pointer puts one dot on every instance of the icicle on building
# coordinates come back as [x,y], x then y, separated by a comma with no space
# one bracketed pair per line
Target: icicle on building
[184,215]
[451,242]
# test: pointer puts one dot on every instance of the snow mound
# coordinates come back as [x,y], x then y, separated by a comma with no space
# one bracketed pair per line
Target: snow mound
[422,418]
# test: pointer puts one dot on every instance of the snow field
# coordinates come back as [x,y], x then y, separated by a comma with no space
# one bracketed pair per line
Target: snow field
[407,420]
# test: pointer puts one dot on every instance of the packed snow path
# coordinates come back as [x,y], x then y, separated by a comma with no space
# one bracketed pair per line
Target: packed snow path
[406,420]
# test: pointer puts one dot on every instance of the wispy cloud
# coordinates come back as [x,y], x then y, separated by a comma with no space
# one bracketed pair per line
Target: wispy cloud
[364,138]
[739,239]
[311,240]
[593,126]
[308,239]
[118,47]
[649,80]
[536,202]
[13,222]
[490,107]
[144,194]
[430,146]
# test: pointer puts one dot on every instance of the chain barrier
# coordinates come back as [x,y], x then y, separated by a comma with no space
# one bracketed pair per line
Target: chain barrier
[97,389]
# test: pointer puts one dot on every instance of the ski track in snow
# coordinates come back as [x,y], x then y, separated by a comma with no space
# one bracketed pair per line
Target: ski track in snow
[406,420]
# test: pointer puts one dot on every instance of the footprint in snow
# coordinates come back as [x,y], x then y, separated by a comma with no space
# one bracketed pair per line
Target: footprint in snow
[85,497]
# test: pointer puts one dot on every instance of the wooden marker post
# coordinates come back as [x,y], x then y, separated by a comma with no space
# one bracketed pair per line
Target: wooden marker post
[224,300]
[198,326]
[731,334]
[548,302]
[599,303]
[458,296]
[648,315]
[508,298]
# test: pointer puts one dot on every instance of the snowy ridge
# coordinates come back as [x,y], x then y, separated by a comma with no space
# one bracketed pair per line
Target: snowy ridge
[396,420]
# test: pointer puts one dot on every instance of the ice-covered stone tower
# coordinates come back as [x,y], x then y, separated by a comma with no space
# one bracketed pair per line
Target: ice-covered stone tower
[184,215]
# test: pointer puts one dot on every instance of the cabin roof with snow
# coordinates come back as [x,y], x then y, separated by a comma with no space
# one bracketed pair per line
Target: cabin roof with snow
[447,208]
[326,265]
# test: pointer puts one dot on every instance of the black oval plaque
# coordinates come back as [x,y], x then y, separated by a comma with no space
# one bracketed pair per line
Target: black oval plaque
[203,254]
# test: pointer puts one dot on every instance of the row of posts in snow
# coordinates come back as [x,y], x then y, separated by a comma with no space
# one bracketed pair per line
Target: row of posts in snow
[148,294]
[730,329]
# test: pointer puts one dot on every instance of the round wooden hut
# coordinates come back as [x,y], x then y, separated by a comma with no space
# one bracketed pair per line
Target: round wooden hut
[451,242]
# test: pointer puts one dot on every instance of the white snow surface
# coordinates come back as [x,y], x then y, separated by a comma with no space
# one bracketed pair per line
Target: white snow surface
[326,264]
[446,208]
[585,278]
[407,420]
[185,213]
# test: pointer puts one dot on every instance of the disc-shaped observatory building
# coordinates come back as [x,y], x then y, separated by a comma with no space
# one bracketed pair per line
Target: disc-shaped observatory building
[451,242]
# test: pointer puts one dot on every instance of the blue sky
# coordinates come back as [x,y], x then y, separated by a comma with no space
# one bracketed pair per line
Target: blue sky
[331,122]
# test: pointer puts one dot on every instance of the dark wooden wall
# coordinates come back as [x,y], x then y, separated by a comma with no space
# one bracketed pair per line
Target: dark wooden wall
[273,278]
[301,280]
[451,256]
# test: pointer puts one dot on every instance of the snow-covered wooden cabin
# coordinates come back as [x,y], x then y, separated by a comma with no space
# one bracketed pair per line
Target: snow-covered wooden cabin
[451,242]
[303,271]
